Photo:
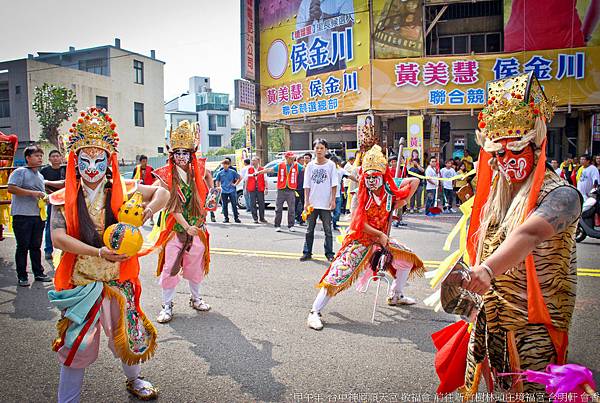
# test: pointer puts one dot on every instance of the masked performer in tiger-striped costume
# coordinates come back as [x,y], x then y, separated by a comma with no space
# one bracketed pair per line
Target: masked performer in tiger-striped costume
[521,239]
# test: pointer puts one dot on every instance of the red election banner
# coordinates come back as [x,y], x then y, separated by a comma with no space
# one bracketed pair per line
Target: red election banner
[248,42]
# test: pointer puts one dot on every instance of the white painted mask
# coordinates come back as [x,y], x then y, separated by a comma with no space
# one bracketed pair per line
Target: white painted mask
[92,163]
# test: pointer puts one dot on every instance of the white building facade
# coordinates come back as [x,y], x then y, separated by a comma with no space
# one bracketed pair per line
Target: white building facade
[129,85]
[211,111]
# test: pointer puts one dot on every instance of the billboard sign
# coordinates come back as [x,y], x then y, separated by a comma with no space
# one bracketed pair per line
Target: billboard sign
[459,82]
[314,57]
[248,39]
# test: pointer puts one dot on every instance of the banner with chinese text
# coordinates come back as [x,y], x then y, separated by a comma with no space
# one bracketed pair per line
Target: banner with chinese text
[459,82]
[414,130]
[314,57]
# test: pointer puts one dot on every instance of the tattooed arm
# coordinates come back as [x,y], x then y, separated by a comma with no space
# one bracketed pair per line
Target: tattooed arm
[557,211]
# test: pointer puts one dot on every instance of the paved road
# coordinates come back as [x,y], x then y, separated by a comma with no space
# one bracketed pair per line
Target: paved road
[254,344]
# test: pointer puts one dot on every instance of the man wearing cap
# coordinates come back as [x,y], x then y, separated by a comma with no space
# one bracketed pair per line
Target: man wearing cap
[287,185]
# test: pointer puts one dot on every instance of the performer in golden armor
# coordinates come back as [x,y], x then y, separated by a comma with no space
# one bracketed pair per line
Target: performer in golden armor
[94,286]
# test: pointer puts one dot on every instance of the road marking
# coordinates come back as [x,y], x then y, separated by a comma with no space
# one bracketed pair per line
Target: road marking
[588,270]
[430,264]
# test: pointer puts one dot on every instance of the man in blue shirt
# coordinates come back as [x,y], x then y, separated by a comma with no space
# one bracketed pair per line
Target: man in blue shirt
[227,179]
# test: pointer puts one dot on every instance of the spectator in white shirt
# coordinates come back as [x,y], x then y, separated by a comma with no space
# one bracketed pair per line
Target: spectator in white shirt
[589,176]
[432,184]
[244,175]
[320,191]
[448,172]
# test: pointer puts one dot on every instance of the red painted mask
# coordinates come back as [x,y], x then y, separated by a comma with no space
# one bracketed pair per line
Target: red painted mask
[516,165]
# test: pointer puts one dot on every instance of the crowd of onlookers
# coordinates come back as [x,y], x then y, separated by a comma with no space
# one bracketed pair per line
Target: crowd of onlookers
[582,172]
[443,185]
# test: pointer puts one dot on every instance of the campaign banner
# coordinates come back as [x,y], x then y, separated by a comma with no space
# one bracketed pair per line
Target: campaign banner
[314,57]
[414,133]
[459,82]
[365,129]
[397,28]
[558,24]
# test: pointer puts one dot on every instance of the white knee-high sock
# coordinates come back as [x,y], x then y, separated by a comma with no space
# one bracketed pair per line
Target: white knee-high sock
[321,300]
[69,385]
[400,281]
[194,289]
[168,294]
[131,371]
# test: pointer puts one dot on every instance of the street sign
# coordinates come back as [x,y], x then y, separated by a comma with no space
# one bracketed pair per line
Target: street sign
[248,41]
[245,96]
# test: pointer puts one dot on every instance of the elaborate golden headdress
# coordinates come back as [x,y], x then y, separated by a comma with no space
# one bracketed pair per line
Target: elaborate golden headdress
[185,135]
[513,108]
[93,128]
[374,160]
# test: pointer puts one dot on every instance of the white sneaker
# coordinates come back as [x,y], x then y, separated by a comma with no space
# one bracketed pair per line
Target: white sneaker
[166,314]
[452,210]
[291,229]
[278,229]
[199,304]
[314,320]
[396,299]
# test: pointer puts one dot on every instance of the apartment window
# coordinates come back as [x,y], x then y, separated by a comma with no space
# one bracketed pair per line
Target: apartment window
[95,66]
[138,114]
[478,43]
[214,140]
[17,89]
[221,120]
[465,44]
[4,104]
[493,42]
[212,123]
[138,68]
[101,102]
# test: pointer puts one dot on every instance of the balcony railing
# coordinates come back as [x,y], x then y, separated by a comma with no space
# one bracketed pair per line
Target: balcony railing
[212,107]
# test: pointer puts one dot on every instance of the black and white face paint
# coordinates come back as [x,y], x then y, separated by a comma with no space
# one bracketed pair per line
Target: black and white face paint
[181,157]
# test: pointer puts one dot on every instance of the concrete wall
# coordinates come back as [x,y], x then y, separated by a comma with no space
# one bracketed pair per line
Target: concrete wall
[19,121]
[121,92]
[224,132]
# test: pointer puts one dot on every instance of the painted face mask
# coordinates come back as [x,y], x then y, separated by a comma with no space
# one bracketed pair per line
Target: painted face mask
[181,157]
[515,165]
[92,164]
[373,180]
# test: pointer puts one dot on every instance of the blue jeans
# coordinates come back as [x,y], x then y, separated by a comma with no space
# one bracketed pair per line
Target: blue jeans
[338,211]
[430,200]
[247,199]
[229,197]
[48,249]
[325,216]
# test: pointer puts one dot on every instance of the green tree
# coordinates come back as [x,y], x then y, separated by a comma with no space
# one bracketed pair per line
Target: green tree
[53,105]
[276,136]
[238,140]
